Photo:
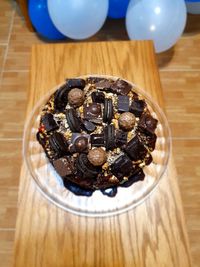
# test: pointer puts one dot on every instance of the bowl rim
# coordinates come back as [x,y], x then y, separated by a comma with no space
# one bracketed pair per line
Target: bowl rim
[150,100]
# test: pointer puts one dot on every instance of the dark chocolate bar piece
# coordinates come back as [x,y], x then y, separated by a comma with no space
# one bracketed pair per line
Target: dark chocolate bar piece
[49,122]
[122,167]
[123,103]
[137,107]
[135,149]
[97,140]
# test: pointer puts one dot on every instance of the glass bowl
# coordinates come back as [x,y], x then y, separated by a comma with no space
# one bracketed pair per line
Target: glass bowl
[98,205]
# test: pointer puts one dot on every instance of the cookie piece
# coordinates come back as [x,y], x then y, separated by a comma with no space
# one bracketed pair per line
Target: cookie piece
[49,122]
[64,166]
[60,97]
[108,110]
[123,103]
[73,120]
[98,97]
[135,149]
[121,87]
[75,83]
[58,144]
[97,140]
[137,107]
[109,135]
[122,167]
[147,123]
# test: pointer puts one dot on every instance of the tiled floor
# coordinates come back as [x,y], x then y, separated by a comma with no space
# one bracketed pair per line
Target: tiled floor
[180,76]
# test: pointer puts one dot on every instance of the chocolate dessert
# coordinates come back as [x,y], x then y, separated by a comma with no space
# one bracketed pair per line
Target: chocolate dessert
[98,134]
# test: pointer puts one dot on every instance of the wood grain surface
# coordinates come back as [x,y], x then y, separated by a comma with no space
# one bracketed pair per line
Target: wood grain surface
[153,234]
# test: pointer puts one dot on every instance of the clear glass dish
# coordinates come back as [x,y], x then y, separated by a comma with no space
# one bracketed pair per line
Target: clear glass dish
[98,205]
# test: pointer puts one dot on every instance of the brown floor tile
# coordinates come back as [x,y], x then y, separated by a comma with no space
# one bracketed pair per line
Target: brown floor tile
[6,12]
[2,53]
[6,247]
[13,96]
[10,164]
[182,94]
[19,51]
[187,159]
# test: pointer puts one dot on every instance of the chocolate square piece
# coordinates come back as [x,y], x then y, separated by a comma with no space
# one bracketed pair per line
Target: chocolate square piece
[93,113]
[75,83]
[147,138]
[98,97]
[49,122]
[122,167]
[147,122]
[103,85]
[121,87]
[135,149]
[64,166]
[88,126]
[121,138]
[97,140]
[123,103]
[137,107]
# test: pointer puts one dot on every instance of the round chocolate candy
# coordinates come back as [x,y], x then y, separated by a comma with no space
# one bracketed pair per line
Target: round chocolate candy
[81,144]
[76,97]
[127,121]
[97,156]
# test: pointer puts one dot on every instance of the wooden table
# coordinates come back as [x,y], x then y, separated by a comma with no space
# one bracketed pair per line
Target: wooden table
[153,234]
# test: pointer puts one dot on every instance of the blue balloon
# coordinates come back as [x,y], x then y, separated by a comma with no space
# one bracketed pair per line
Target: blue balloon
[117,8]
[39,15]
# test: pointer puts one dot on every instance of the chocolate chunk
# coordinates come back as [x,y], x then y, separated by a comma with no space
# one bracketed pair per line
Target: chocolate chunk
[147,122]
[85,168]
[121,87]
[97,140]
[110,192]
[103,85]
[98,97]
[137,107]
[108,110]
[73,120]
[88,126]
[121,138]
[75,83]
[147,138]
[93,112]
[138,175]
[64,166]
[122,167]
[93,80]
[49,122]
[58,143]
[135,149]
[123,103]
[77,190]
[109,133]
[60,97]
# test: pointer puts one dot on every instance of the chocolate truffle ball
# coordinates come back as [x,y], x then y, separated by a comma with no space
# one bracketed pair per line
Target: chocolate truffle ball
[97,156]
[76,97]
[81,144]
[126,121]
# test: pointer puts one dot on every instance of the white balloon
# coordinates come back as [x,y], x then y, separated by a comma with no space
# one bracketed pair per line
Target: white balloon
[162,21]
[193,7]
[78,19]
